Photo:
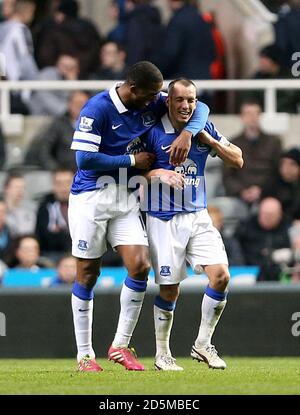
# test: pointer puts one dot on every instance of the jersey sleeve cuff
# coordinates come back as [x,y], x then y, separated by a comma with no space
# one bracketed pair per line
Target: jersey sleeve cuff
[132,160]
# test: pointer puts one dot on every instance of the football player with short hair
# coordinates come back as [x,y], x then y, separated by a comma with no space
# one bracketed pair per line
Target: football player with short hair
[179,227]
[109,151]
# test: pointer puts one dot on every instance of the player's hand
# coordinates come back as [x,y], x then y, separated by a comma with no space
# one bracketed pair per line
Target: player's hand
[180,148]
[144,160]
[172,179]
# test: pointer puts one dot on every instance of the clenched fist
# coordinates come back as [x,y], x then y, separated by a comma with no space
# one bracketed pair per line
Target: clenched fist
[144,160]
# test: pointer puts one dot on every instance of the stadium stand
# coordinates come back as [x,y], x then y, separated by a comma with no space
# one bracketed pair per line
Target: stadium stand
[250,24]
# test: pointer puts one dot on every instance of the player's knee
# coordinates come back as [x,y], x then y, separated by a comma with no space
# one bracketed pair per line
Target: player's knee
[221,280]
[87,274]
[140,268]
[169,292]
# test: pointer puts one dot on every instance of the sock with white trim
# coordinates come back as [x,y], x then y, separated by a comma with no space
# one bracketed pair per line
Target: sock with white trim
[131,300]
[213,304]
[163,320]
[82,307]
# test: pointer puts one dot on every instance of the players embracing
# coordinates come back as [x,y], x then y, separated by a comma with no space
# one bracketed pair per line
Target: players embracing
[107,138]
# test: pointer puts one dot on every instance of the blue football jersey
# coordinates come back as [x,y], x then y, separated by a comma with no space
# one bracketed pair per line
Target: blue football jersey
[106,125]
[163,201]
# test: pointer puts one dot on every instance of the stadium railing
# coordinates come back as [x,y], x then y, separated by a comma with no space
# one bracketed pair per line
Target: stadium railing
[270,87]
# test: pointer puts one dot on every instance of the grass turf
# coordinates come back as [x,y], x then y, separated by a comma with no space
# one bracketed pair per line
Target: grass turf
[247,376]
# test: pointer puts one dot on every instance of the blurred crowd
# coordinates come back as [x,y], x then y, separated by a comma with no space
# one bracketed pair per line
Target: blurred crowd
[50,40]
[257,209]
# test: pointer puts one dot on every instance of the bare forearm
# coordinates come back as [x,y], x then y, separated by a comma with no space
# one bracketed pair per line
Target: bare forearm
[153,174]
[230,154]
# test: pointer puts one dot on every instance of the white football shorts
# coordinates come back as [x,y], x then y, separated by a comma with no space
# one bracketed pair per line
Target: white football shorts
[190,237]
[110,214]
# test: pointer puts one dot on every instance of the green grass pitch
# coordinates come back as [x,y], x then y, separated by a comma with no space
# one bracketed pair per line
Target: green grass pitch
[247,376]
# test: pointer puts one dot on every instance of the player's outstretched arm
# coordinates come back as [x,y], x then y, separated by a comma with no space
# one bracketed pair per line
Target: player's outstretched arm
[181,146]
[228,152]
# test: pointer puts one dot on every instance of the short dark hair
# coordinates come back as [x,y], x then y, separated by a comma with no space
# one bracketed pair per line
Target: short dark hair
[182,81]
[250,102]
[12,176]
[21,4]
[143,74]
[69,8]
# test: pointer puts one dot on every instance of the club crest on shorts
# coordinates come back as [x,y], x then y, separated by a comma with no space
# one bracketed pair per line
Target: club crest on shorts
[165,271]
[82,245]
[86,124]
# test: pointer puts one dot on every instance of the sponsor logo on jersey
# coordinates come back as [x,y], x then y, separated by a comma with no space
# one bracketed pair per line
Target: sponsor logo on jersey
[86,124]
[189,168]
[148,119]
[165,270]
[82,245]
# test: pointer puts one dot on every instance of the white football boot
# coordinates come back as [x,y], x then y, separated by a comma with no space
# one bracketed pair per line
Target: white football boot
[209,355]
[165,362]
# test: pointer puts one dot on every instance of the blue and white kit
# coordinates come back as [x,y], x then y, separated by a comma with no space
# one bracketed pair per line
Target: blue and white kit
[178,225]
[106,138]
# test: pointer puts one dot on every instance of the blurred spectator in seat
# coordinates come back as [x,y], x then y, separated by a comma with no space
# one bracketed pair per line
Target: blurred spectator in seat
[2,150]
[55,102]
[143,31]
[287,31]
[294,233]
[116,12]
[17,47]
[262,235]
[50,148]
[26,254]
[285,185]
[232,246]
[217,67]
[5,236]
[188,46]
[21,213]
[66,271]
[66,32]
[7,9]
[3,268]
[270,68]
[111,63]
[52,217]
[261,153]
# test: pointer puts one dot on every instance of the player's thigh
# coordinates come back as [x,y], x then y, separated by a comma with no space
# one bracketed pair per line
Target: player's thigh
[127,229]
[206,246]
[167,250]
[87,230]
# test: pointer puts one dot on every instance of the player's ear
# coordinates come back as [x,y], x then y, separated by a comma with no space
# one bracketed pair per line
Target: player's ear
[167,102]
[132,88]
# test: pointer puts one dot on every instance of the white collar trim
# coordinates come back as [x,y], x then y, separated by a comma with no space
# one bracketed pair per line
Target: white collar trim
[116,99]
[168,127]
